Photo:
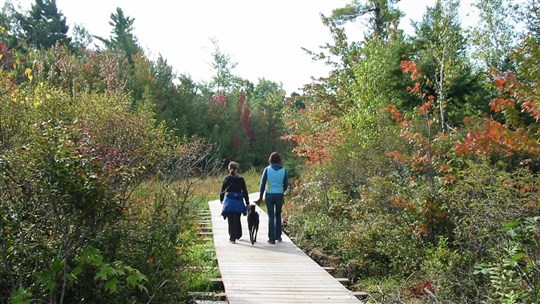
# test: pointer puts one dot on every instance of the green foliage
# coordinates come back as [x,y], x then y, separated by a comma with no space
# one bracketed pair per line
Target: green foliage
[223,80]
[532,17]
[101,152]
[513,275]
[21,296]
[122,37]
[44,26]
[383,16]
[404,206]
[494,36]
[70,163]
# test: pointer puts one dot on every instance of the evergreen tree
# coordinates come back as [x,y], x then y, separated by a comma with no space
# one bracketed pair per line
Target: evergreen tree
[383,16]
[122,37]
[44,26]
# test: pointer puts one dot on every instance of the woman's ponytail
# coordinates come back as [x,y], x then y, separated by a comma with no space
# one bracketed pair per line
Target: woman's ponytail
[233,168]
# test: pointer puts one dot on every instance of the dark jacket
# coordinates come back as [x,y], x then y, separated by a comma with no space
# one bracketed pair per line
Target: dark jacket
[234,183]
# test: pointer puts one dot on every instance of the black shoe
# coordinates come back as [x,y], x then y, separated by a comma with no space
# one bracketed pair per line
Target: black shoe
[271,242]
[280,240]
[232,241]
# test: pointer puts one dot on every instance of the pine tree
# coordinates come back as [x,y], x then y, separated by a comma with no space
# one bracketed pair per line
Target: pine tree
[122,36]
[44,26]
[382,15]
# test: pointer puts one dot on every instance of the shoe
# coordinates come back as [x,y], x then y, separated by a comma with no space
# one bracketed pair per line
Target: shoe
[271,242]
[232,241]
[280,240]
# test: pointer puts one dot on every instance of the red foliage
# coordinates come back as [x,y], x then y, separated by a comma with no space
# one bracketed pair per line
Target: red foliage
[500,104]
[422,289]
[493,137]
[396,116]
[245,117]
[313,131]
[400,202]
[314,147]
[410,67]
[423,110]
[219,99]
[6,57]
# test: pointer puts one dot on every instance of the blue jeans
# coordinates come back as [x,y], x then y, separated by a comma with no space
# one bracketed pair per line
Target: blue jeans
[274,203]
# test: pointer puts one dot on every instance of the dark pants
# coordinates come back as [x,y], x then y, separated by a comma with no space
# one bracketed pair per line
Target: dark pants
[274,203]
[235,227]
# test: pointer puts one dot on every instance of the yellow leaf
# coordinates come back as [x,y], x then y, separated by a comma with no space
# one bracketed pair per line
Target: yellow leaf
[28,73]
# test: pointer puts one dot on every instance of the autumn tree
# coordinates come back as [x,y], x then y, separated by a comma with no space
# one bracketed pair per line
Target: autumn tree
[518,102]
[440,54]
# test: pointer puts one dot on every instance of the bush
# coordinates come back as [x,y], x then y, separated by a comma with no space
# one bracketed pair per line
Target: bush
[70,227]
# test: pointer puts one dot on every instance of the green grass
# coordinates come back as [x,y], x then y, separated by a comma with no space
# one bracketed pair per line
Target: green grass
[205,267]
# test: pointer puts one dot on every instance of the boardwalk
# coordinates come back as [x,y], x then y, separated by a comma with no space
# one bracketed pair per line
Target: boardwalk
[266,273]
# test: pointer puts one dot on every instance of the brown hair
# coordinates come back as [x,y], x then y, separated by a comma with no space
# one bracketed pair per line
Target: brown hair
[233,168]
[274,158]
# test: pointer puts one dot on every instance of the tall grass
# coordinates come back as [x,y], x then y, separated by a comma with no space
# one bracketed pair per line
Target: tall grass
[208,189]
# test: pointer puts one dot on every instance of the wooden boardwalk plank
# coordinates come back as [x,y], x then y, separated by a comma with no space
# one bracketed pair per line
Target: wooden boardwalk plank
[266,273]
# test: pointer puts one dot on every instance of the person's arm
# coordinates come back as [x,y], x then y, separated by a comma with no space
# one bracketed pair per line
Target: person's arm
[262,186]
[223,189]
[245,191]
[285,181]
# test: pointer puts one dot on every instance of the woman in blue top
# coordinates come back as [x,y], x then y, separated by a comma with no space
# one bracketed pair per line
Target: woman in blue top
[274,181]
[233,190]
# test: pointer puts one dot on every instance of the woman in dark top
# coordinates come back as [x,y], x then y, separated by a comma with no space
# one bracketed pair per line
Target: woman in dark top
[233,190]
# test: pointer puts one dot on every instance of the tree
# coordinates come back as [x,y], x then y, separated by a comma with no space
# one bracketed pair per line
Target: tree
[384,17]
[122,37]
[532,15]
[81,37]
[9,25]
[440,50]
[223,80]
[494,35]
[44,26]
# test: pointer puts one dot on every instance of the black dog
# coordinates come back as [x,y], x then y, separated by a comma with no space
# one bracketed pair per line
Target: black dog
[253,223]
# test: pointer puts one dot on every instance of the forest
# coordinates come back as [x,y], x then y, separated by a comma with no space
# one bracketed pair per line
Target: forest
[414,164]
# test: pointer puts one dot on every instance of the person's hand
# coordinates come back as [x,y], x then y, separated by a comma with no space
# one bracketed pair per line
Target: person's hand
[258,202]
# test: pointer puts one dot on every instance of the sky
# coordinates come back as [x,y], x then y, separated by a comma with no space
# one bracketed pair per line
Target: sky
[264,38]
